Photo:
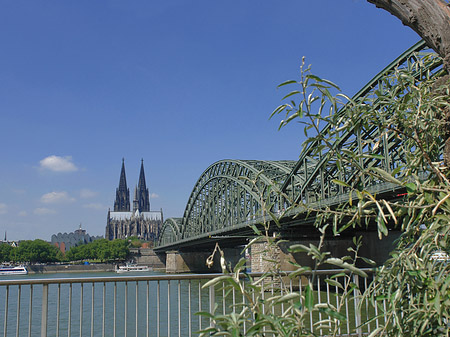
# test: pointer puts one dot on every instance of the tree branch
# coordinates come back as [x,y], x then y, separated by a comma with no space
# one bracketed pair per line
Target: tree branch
[428,18]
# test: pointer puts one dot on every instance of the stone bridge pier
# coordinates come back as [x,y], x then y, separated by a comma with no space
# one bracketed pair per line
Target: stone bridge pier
[195,262]
[263,256]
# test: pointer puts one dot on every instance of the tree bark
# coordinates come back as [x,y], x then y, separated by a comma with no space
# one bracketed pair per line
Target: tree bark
[428,18]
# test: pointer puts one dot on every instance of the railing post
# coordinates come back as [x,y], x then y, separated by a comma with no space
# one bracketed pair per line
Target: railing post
[357,308]
[212,304]
[168,308]
[5,327]
[69,320]
[81,310]
[30,311]
[44,310]
[58,308]
[157,308]
[18,311]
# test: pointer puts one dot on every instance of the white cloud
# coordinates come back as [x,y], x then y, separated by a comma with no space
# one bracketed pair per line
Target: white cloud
[44,211]
[58,164]
[96,206]
[22,213]
[154,196]
[86,193]
[3,208]
[56,197]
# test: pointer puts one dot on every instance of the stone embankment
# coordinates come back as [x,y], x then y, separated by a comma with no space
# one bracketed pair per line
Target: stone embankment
[147,257]
[141,256]
[72,268]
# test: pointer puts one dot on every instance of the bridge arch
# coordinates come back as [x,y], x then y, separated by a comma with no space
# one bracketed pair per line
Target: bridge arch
[230,192]
[170,231]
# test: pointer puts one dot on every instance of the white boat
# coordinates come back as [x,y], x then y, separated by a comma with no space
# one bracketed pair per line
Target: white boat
[131,268]
[13,270]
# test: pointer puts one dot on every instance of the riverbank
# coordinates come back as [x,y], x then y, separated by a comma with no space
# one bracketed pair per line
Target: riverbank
[70,268]
[141,256]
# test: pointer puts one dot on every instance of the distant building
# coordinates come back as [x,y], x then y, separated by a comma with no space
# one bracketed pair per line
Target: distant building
[11,243]
[66,241]
[141,221]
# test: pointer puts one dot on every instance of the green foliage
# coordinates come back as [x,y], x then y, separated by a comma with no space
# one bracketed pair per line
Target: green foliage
[36,251]
[407,116]
[408,109]
[5,252]
[101,250]
[284,311]
[135,242]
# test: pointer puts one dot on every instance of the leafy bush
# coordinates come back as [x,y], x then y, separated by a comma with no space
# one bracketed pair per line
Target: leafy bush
[101,250]
[407,116]
[5,252]
[36,251]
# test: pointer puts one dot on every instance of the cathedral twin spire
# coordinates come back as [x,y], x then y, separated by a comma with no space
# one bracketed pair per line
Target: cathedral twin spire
[122,203]
[141,200]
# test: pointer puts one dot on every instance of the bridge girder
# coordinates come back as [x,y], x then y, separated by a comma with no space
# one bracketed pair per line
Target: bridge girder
[317,166]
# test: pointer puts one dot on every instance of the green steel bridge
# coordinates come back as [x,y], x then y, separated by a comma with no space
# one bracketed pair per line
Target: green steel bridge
[228,197]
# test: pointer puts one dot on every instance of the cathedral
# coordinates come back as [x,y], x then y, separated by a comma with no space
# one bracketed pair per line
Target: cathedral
[140,222]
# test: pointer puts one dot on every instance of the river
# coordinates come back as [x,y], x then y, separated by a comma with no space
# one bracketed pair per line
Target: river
[68,322]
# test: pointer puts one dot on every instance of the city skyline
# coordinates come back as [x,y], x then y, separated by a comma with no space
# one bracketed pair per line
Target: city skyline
[178,84]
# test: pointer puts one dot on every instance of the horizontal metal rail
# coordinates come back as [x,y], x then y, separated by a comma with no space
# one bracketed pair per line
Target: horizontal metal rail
[151,305]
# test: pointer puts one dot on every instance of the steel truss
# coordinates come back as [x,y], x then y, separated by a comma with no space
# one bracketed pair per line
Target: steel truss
[229,194]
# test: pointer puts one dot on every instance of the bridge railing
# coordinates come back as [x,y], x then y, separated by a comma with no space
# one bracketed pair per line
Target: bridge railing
[154,305]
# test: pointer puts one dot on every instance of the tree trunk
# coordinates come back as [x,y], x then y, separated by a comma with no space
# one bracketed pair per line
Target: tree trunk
[431,20]
[428,18]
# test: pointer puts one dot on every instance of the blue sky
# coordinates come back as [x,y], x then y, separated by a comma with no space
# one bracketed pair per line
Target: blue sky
[181,84]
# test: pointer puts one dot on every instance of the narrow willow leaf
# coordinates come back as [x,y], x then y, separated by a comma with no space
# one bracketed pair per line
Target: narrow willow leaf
[299,248]
[359,195]
[340,182]
[288,297]
[309,298]
[256,230]
[344,265]
[335,224]
[216,280]
[390,211]
[333,313]
[376,331]
[204,313]
[439,204]
[369,261]
[299,271]
[286,83]
[279,109]
[382,229]
[335,86]
[314,77]
[295,92]
[312,100]
[240,264]
[334,283]
[386,176]
[380,209]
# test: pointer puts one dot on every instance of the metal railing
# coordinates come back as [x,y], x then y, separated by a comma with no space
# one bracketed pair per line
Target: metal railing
[154,305]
